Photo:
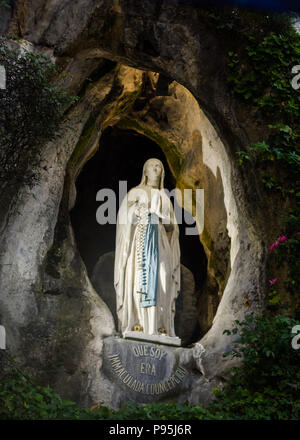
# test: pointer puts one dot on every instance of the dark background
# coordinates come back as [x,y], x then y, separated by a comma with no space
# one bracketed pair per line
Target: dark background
[121,156]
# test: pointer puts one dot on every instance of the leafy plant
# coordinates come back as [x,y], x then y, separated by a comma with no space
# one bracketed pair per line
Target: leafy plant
[267,384]
[22,398]
[31,109]
[262,50]
[5,3]
[286,251]
[260,74]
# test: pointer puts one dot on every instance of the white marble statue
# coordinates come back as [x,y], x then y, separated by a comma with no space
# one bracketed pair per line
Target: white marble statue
[147,262]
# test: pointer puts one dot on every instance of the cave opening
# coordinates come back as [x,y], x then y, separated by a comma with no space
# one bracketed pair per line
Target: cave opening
[120,157]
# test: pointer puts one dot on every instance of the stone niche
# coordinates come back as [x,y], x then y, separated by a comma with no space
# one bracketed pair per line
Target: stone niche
[59,323]
[121,156]
[167,123]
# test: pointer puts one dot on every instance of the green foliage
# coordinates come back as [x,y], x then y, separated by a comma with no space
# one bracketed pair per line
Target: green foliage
[261,75]
[260,72]
[5,3]
[288,253]
[162,411]
[262,50]
[267,384]
[21,398]
[30,112]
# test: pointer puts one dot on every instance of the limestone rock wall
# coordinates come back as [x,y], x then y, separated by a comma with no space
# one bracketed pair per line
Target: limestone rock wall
[55,321]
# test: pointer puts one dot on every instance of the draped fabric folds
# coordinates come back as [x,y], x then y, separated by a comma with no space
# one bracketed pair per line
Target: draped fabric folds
[149,270]
[147,261]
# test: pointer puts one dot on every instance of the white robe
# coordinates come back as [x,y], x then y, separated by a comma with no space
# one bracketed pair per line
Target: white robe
[126,272]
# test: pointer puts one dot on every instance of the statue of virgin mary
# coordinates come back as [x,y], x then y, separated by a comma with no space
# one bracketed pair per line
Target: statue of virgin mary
[147,261]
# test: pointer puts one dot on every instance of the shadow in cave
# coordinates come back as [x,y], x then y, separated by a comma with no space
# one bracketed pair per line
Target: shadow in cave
[121,156]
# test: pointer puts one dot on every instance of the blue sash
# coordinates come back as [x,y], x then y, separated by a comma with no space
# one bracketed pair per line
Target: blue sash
[149,275]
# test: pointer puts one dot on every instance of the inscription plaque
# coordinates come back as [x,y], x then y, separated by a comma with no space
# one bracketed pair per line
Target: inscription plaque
[143,370]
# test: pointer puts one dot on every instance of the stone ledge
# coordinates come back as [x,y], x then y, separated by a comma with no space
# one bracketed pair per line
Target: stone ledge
[159,339]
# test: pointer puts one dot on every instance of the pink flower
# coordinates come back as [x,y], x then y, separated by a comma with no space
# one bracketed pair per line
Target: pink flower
[282,238]
[296,233]
[274,281]
[273,246]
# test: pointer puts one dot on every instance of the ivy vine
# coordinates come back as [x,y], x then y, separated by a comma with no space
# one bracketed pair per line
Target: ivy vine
[262,50]
[31,108]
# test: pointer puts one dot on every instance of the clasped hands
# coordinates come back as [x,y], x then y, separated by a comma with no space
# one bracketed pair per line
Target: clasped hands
[142,211]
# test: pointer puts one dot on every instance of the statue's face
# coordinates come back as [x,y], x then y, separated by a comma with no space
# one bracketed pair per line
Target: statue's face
[153,170]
